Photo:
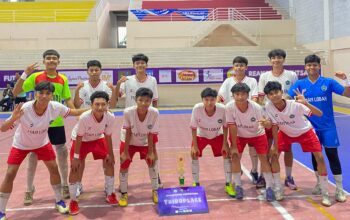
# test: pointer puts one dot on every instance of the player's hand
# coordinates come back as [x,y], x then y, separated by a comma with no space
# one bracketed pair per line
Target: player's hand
[75,165]
[273,150]
[110,160]
[124,157]
[194,151]
[31,68]
[110,85]
[340,75]
[17,112]
[225,151]
[234,151]
[300,96]
[122,79]
[266,123]
[79,85]
[151,158]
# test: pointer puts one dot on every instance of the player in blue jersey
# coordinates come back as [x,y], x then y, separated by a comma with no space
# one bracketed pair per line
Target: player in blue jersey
[318,91]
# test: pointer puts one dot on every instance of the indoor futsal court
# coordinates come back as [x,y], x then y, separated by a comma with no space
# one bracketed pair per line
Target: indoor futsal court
[174,141]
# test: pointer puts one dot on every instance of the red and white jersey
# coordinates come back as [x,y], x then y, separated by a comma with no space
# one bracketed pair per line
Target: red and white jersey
[225,90]
[140,130]
[90,129]
[291,120]
[208,126]
[247,122]
[32,129]
[87,90]
[287,79]
[129,88]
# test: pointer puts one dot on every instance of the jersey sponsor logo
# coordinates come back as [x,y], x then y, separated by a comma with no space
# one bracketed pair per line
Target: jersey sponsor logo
[291,116]
[317,99]
[287,82]
[253,119]
[324,88]
[220,121]
[149,126]
[211,129]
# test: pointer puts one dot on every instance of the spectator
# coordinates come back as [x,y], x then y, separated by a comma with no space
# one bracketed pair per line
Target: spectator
[6,102]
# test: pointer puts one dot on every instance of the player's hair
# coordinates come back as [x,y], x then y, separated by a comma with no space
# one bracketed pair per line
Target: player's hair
[51,52]
[45,85]
[240,59]
[144,92]
[94,63]
[272,86]
[276,53]
[209,92]
[313,58]
[99,94]
[240,87]
[139,56]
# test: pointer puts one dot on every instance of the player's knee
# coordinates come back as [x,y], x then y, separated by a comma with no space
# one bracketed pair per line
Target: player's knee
[10,175]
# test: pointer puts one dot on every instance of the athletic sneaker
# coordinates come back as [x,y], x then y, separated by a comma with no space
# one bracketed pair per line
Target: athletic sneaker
[123,200]
[28,197]
[289,182]
[73,207]
[230,190]
[195,184]
[160,184]
[2,216]
[325,200]
[61,207]
[239,192]
[65,192]
[270,196]
[279,194]
[112,199]
[340,195]
[261,182]
[255,177]
[155,196]
[317,190]
[79,190]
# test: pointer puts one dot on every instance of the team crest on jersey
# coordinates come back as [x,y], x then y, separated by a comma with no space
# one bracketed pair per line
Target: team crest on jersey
[291,116]
[324,88]
[276,115]
[253,119]
[31,125]
[51,122]
[149,126]
[220,121]
[287,82]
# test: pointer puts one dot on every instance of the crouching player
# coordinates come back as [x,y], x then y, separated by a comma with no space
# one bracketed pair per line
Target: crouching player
[289,116]
[93,133]
[209,127]
[139,134]
[247,122]
[33,120]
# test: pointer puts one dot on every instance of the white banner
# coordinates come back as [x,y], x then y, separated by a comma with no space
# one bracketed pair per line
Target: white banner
[165,76]
[76,76]
[213,75]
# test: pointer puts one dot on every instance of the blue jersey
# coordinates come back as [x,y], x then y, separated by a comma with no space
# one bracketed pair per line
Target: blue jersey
[319,94]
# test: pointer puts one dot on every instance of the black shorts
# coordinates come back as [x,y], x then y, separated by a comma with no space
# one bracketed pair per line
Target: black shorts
[20,99]
[57,135]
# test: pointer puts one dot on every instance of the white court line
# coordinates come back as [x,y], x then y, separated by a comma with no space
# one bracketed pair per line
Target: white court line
[142,203]
[285,214]
[303,165]
[341,116]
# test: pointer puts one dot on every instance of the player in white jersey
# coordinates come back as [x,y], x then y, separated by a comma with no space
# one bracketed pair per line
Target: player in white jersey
[139,134]
[240,66]
[130,84]
[247,121]
[93,134]
[33,120]
[287,78]
[289,116]
[85,89]
[208,123]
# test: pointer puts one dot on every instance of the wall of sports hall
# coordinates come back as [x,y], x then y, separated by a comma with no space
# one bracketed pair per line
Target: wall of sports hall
[301,27]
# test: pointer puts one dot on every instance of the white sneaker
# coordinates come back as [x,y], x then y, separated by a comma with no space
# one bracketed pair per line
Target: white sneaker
[317,190]
[279,195]
[340,195]
[325,200]
[79,190]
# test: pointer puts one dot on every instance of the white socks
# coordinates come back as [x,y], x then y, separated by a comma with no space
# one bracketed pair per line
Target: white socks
[228,170]
[195,170]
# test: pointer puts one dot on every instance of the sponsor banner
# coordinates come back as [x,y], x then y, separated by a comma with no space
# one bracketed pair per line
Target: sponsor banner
[182,201]
[187,76]
[76,76]
[213,75]
[165,76]
[192,14]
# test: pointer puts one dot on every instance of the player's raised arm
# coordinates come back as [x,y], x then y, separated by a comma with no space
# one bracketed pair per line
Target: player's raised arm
[341,75]
[301,99]
[19,84]
[16,114]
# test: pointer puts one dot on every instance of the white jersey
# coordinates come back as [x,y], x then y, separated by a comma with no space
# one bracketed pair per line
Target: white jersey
[208,126]
[287,79]
[129,88]
[291,120]
[32,131]
[140,130]
[225,90]
[87,90]
[90,129]
[247,122]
